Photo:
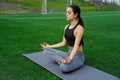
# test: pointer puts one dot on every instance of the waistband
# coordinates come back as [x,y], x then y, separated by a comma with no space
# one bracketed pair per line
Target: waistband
[81,52]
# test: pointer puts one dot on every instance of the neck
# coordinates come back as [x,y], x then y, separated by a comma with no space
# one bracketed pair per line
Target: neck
[74,22]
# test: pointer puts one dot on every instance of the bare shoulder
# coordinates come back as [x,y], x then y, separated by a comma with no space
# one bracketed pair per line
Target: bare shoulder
[79,28]
[66,26]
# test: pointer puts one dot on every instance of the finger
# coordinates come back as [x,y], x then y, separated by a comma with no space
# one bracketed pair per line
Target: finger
[41,45]
[44,43]
[63,61]
[67,60]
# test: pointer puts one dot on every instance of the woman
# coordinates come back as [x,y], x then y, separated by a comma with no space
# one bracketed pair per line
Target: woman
[73,38]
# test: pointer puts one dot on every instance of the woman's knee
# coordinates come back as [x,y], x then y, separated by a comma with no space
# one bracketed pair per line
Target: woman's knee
[64,68]
[69,68]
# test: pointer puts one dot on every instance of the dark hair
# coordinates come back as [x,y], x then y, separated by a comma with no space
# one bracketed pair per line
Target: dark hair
[77,10]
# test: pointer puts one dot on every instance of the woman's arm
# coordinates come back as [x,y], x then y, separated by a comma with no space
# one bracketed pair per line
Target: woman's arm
[61,44]
[78,34]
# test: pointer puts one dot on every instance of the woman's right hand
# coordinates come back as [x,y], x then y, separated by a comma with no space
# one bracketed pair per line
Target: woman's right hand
[66,60]
[45,45]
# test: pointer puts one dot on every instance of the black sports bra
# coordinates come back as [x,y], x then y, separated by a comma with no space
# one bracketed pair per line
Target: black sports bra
[69,36]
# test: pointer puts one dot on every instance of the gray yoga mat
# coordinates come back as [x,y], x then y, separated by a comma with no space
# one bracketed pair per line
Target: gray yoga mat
[83,73]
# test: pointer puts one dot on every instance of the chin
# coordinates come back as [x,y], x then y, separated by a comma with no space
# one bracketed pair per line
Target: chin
[67,19]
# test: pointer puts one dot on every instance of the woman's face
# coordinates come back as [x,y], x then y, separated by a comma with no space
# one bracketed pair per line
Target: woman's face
[70,14]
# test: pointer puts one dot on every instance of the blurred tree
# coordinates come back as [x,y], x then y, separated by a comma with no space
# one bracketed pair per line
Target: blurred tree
[82,1]
[105,1]
[6,0]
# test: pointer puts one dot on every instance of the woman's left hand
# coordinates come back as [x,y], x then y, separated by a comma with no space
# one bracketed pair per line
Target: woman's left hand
[45,45]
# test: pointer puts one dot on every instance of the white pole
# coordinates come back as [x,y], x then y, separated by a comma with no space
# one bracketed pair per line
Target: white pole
[44,7]
[70,2]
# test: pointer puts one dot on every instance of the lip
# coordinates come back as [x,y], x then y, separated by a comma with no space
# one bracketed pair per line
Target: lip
[66,17]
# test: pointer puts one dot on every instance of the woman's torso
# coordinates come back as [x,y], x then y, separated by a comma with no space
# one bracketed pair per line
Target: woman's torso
[80,48]
[70,38]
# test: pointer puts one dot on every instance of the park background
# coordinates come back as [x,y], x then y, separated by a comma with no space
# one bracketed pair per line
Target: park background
[23,27]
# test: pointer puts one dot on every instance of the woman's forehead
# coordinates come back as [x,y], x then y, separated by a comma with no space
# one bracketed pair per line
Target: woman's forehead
[69,9]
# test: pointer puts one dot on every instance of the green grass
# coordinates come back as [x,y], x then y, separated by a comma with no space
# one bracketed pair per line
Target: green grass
[23,33]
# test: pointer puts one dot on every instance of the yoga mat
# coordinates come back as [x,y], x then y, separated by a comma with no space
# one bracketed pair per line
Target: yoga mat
[84,73]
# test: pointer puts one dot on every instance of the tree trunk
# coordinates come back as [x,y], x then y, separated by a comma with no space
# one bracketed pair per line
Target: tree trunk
[6,1]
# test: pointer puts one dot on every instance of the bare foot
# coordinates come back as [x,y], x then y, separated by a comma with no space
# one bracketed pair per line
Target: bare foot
[58,62]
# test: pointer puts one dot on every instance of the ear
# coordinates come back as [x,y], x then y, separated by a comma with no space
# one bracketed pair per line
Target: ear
[76,15]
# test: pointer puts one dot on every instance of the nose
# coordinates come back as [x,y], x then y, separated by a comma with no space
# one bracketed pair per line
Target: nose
[66,14]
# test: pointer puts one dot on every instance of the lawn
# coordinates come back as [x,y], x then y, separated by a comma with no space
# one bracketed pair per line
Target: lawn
[23,33]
